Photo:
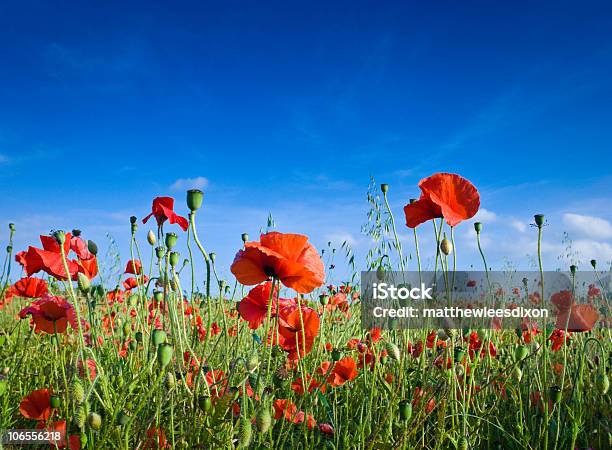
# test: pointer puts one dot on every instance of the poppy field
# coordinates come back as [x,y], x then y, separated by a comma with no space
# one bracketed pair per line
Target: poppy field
[274,356]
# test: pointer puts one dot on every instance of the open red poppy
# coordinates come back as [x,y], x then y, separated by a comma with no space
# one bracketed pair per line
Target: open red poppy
[30,287]
[293,338]
[51,314]
[163,209]
[343,371]
[443,195]
[37,405]
[49,258]
[254,307]
[288,257]
[134,267]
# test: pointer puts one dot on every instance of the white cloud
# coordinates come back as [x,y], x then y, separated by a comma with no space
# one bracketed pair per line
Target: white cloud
[589,249]
[183,184]
[340,237]
[485,216]
[518,225]
[589,226]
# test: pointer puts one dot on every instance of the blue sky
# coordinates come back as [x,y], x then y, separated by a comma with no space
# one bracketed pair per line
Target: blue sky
[290,108]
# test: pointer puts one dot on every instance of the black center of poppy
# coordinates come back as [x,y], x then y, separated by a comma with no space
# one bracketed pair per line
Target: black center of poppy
[269,271]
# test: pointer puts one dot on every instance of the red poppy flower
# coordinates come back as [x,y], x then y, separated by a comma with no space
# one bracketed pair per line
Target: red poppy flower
[294,339]
[132,282]
[37,405]
[287,409]
[343,371]
[88,267]
[134,266]
[571,315]
[254,307]
[59,426]
[288,257]
[558,338]
[30,287]
[326,428]
[79,246]
[51,314]
[49,258]
[91,369]
[443,195]
[163,209]
[156,439]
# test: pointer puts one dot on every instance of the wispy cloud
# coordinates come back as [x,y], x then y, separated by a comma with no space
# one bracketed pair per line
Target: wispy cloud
[589,226]
[183,184]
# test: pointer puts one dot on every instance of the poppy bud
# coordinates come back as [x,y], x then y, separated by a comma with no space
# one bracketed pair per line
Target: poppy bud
[539,220]
[555,394]
[336,354]
[446,247]
[77,391]
[133,300]
[164,354]
[127,329]
[252,361]
[158,337]
[244,432]
[92,247]
[12,227]
[60,236]
[462,443]
[55,401]
[517,374]
[521,353]
[80,416]
[194,199]
[323,299]
[174,258]
[393,350]
[170,380]
[158,296]
[5,371]
[594,263]
[123,418]
[603,383]
[405,410]
[478,227]
[94,421]
[384,188]
[138,336]
[204,403]
[263,420]
[573,269]
[83,283]
[171,239]
[151,239]
[380,273]
[160,252]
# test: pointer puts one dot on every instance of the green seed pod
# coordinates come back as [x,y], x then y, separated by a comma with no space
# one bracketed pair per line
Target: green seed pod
[77,391]
[263,419]
[555,394]
[477,227]
[380,273]
[171,239]
[127,329]
[164,354]
[160,252]
[521,352]
[594,263]
[138,336]
[123,418]
[170,381]
[158,337]
[392,350]
[603,383]
[174,258]
[83,283]
[94,421]
[384,187]
[252,361]
[55,401]
[245,237]
[323,299]
[462,443]
[151,239]
[244,432]
[194,199]
[539,220]
[336,354]
[446,247]
[459,354]
[158,296]
[205,403]
[405,410]
[80,416]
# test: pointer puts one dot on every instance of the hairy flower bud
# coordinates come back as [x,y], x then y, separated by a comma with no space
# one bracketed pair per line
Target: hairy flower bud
[94,421]
[83,283]
[151,239]
[446,247]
